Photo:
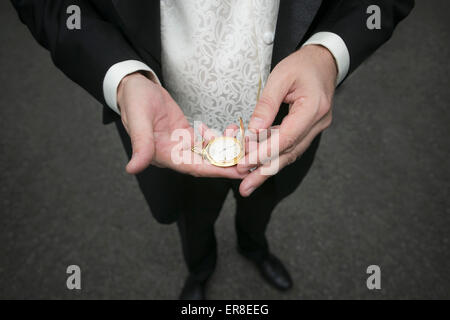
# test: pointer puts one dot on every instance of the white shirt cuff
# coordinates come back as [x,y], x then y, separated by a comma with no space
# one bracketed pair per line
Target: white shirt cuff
[116,73]
[338,49]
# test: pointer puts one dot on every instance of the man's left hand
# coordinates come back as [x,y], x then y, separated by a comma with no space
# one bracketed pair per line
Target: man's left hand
[306,81]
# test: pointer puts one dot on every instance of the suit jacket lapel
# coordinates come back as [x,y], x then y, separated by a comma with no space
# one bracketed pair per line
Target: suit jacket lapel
[294,19]
[141,20]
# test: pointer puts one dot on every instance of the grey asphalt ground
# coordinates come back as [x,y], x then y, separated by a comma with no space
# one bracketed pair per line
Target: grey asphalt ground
[378,192]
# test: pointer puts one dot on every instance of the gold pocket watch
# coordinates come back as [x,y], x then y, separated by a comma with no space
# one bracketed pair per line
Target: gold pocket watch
[223,151]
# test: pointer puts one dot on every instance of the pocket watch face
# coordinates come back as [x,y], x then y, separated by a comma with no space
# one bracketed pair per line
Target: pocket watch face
[224,151]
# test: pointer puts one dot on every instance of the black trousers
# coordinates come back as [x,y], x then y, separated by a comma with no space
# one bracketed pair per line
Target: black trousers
[196,204]
[197,219]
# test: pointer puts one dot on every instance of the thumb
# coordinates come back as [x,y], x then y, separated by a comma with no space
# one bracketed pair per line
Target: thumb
[143,145]
[273,94]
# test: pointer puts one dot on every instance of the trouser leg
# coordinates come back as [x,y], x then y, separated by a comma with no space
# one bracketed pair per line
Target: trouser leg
[196,224]
[254,212]
[252,218]
[194,203]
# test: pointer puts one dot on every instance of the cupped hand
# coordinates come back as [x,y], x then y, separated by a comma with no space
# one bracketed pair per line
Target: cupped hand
[306,81]
[153,119]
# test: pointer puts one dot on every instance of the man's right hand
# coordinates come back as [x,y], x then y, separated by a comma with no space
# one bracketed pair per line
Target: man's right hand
[150,115]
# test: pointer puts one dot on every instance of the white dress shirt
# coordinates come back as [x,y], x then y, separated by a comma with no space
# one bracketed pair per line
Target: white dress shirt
[216,56]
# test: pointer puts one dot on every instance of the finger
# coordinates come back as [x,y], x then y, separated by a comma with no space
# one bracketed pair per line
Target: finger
[282,139]
[252,138]
[273,94]
[256,152]
[252,181]
[256,178]
[231,130]
[209,170]
[262,151]
[265,134]
[203,168]
[142,142]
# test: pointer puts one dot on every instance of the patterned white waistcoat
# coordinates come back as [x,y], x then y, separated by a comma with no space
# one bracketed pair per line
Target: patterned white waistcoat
[216,54]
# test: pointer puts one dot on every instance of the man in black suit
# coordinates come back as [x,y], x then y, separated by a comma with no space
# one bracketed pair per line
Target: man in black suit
[303,77]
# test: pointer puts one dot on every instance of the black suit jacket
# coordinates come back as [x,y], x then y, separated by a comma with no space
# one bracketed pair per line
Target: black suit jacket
[117,30]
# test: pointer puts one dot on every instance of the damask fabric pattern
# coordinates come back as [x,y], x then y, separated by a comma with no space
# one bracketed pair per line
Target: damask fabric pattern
[214,54]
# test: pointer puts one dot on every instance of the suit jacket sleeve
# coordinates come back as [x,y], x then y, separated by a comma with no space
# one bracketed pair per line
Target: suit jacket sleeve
[84,55]
[347,18]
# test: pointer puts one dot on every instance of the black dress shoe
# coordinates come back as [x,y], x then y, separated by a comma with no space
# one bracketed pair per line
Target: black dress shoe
[193,290]
[274,272]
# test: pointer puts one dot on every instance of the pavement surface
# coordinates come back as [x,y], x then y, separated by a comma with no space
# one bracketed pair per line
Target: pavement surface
[378,193]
